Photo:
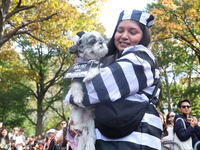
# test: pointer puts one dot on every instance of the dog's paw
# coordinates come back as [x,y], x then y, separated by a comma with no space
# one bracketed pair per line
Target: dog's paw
[89,146]
[91,74]
[87,78]
[77,100]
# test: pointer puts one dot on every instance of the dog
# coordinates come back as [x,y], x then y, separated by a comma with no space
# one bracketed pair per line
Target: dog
[89,48]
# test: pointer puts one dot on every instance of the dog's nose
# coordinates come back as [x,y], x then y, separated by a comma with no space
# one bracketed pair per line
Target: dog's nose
[101,42]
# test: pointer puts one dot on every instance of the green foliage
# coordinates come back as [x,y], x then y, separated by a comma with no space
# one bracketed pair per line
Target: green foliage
[175,40]
[43,32]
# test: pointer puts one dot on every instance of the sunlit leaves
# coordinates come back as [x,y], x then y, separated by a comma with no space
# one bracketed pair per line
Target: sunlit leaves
[176,45]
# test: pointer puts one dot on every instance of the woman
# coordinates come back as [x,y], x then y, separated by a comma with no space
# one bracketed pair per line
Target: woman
[168,130]
[129,76]
[4,140]
[162,117]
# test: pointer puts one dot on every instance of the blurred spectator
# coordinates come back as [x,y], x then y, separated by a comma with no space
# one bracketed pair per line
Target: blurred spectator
[20,139]
[1,125]
[50,139]
[4,139]
[12,137]
[168,130]
[59,134]
[14,133]
[163,123]
[30,143]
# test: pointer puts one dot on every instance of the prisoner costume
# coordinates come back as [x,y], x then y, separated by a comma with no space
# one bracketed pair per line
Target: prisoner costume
[133,76]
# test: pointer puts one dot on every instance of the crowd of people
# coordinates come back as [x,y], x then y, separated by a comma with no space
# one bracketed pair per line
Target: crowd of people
[16,140]
[58,139]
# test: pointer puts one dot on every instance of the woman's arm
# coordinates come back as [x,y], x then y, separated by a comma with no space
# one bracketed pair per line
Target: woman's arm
[128,75]
[170,135]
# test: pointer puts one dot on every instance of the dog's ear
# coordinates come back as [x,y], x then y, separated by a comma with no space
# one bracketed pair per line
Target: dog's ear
[80,33]
[73,49]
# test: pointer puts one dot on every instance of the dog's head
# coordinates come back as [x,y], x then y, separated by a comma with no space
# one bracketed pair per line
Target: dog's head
[90,46]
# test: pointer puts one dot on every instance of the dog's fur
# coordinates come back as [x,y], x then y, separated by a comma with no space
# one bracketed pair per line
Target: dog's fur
[90,47]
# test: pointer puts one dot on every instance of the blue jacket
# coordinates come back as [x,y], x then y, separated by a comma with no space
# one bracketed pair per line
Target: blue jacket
[184,134]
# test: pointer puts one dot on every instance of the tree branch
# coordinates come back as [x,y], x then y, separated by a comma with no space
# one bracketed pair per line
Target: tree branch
[19,8]
[17,32]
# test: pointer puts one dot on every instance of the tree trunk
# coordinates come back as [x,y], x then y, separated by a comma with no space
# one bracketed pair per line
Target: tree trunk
[39,125]
[40,115]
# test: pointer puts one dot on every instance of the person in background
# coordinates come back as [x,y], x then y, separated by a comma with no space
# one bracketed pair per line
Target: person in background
[50,139]
[4,140]
[1,125]
[59,134]
[14,132]
[162,117]
[129,77]
[30,142]
[168,130]
[64,143]
[13,136]
[20,140]
[192,128]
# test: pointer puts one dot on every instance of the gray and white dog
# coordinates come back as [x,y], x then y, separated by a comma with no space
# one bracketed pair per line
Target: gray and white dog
[90,47]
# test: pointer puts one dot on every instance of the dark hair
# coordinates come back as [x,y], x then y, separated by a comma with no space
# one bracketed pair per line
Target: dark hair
[64,132]
[6,137]
[167,118]
[181,101]
[164,123]
[63,121]
[21,130]
[146,38]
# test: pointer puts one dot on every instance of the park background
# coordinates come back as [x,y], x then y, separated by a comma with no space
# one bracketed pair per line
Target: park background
[35,36]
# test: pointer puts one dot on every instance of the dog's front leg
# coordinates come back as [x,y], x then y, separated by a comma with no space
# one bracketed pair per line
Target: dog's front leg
[91,74]
[76,91]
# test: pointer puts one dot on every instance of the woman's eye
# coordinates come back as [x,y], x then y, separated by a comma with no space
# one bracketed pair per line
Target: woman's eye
[119,31]
[133,33]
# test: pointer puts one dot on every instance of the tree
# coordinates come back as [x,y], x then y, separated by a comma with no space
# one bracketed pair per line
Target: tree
[43,31]
[178,20]
[174,38]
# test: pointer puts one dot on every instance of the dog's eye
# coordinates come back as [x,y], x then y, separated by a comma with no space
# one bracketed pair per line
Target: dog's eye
[93,41]
[79,42]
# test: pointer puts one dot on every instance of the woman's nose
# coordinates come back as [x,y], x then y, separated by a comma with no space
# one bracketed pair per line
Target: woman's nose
[125,35]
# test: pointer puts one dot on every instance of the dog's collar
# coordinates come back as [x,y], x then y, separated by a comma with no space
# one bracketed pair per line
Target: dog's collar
[80,60]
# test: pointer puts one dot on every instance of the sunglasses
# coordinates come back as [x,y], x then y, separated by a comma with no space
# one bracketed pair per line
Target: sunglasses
[186,106]
[63,123]
[172,116]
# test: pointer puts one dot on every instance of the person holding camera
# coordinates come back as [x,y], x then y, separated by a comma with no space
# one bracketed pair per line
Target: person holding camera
[186,128]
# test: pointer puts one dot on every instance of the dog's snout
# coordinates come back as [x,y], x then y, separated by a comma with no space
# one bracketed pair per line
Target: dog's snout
[101,41]
[73,49]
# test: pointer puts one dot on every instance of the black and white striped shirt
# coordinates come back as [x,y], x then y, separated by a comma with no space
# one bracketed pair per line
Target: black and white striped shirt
[131,76]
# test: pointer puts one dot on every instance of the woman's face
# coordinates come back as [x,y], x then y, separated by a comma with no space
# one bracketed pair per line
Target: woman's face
[128,34]
[4,132]
[171,117]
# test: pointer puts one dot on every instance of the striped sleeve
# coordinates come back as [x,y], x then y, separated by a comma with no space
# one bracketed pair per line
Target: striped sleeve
[128,75]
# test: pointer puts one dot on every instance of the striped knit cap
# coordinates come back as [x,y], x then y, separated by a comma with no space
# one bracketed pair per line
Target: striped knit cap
[137,15]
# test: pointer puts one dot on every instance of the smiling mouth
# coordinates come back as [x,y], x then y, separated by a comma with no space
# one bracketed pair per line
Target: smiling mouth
[122,43]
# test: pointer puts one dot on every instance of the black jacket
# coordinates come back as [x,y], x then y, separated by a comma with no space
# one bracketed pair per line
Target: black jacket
[184,134]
